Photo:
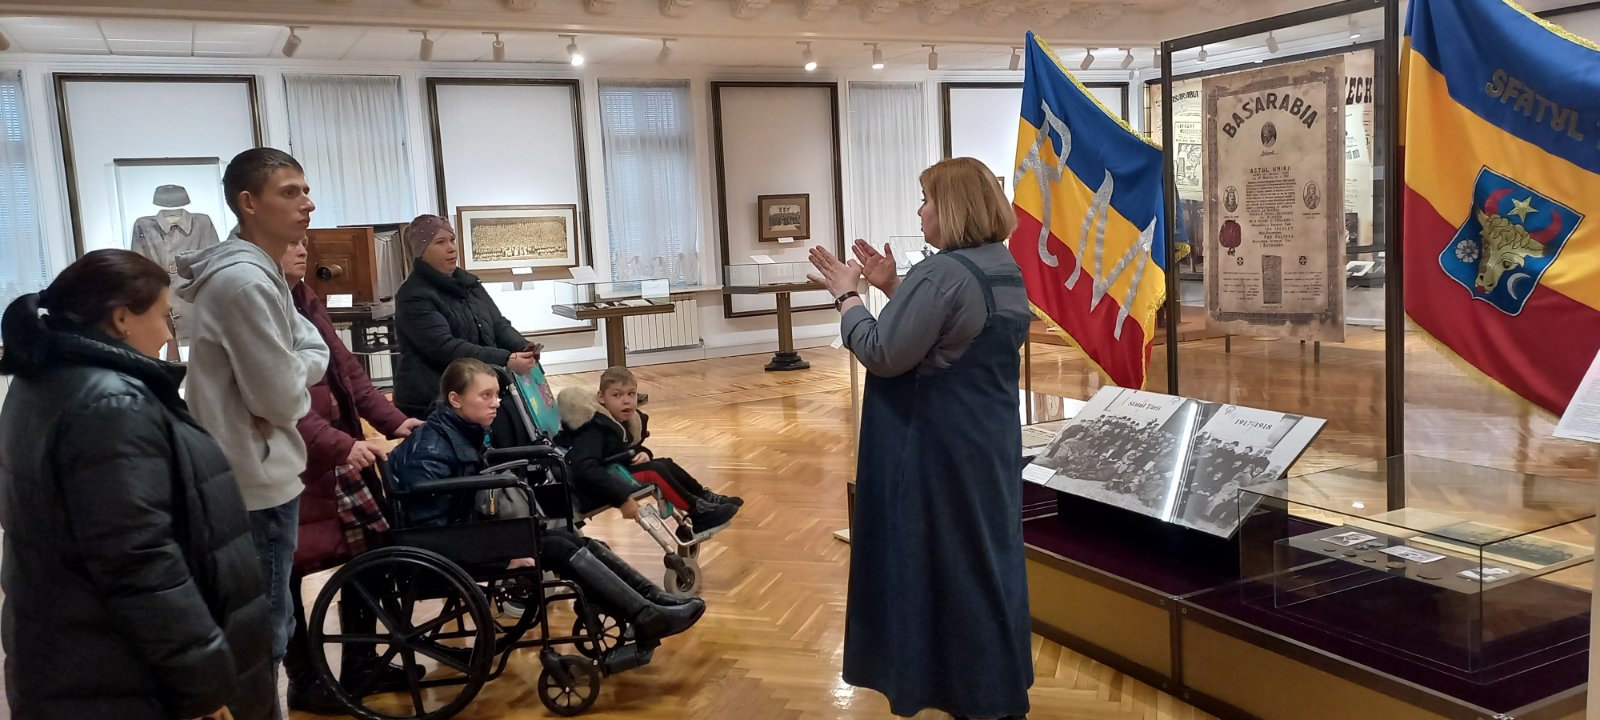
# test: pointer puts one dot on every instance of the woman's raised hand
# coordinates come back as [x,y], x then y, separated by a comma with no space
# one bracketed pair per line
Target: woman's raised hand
[836,275]
[878,268]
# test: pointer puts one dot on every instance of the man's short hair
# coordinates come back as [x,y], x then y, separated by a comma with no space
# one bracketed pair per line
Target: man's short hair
[249,170]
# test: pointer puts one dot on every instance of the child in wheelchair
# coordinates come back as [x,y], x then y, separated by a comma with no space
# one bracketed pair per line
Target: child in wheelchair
[452,443]
[606,428]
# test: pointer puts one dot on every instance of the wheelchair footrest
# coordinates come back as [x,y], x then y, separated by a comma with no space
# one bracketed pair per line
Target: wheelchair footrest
[627,657]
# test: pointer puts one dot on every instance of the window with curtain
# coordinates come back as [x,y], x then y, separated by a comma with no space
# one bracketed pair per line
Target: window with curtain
[22,255]
[888,151]
[653,209]
[349,132]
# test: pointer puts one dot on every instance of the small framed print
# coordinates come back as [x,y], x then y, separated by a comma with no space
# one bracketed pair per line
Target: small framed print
[784,216]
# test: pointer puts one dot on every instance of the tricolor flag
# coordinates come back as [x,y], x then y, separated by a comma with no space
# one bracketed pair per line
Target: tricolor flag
[1090,228]
[1501,130]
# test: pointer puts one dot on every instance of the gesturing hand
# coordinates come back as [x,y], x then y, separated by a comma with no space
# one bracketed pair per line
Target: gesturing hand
[837,276]
[879,268]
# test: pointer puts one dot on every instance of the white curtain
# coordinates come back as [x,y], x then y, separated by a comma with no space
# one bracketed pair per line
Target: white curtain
[888,151]
[349,132]
[651,203]
[22,256]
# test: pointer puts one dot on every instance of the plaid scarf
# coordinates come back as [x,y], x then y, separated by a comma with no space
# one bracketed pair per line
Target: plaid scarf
[359,513]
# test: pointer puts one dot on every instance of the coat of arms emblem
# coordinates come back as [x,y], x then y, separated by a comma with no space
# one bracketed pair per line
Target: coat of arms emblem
[1509,240]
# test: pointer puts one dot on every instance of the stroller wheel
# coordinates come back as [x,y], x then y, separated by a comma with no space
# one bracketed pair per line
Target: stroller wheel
[683,576]
[576,693]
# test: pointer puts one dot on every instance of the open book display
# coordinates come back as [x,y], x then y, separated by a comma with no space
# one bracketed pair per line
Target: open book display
[1175,459]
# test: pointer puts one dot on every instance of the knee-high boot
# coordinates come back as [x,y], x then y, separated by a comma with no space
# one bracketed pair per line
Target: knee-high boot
[633,577]
[650,620]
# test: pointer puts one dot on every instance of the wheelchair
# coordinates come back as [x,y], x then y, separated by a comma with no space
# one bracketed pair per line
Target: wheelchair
[680,543]
[431,590]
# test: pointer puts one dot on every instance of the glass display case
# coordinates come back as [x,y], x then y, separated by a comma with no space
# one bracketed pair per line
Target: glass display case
[1476,570]
[588,295]
[767,275]
[909,250]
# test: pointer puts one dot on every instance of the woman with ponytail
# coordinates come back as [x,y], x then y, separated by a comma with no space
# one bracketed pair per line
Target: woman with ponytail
[131,583]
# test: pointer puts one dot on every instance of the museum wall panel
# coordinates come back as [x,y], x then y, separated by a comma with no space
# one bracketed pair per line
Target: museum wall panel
[124,137]
[777,139]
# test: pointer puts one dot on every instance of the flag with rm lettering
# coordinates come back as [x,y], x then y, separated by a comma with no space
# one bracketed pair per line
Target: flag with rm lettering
[1091,234]
[1500,131]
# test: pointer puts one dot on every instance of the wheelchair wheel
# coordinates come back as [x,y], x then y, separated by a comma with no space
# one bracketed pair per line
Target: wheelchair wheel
[576,693]
[606,633]
[683,576]
[421,608]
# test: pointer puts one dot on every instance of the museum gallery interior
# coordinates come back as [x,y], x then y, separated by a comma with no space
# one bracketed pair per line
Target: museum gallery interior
[1307,408]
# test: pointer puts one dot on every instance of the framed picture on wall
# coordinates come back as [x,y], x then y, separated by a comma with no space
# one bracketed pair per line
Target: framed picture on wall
[502,237]
[784,216]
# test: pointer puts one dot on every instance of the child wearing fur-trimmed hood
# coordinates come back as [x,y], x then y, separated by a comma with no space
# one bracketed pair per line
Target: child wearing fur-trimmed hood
[605,428]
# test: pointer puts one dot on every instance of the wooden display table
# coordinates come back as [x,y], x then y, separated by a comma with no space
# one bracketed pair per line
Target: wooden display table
[610,316]
[786,358]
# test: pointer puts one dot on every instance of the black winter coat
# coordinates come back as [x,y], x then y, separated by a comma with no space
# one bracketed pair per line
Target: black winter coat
[446,446]
[591,443]
[131,584]
[439,318]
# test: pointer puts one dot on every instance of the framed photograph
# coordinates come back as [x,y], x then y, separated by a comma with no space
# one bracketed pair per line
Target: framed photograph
[784,216]
[502,237]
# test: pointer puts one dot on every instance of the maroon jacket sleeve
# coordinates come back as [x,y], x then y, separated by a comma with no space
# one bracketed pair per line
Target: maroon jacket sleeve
[327,447]
[371,405]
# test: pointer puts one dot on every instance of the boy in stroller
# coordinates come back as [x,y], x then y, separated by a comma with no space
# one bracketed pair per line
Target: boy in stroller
[451,443]
[606,431]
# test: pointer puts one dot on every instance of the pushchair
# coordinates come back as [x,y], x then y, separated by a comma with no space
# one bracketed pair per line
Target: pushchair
[431,588]
[534,420]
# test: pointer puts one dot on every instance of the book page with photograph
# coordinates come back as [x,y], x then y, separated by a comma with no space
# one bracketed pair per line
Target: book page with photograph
[1237,447]
[1126,448]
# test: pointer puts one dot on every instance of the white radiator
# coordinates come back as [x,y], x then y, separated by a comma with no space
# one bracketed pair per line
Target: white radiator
[677,329]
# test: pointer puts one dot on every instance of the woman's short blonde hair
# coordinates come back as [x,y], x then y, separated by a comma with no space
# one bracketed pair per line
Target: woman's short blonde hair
[971,205]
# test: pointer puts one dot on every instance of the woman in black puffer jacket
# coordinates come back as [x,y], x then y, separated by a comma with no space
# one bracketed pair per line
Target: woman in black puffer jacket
[131,584]
[441,314]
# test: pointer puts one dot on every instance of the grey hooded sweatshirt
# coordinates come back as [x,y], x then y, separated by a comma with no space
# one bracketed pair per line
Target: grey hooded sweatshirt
[252,359]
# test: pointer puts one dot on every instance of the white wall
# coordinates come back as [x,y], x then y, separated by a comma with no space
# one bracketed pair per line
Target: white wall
[120,120]
[564,352]
[984,123]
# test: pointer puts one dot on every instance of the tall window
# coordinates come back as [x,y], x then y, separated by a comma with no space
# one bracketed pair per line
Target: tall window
[349,132]
[648,135]
[22,256]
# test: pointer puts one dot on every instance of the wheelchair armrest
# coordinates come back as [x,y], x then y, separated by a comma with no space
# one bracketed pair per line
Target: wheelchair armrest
[462,484]
[621,458]
[539,454]
[502,467]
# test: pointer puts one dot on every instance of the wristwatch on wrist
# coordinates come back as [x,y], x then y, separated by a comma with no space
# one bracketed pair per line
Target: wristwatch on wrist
[839,301]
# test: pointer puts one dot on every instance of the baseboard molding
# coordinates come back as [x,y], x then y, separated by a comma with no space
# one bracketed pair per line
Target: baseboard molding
[593,359]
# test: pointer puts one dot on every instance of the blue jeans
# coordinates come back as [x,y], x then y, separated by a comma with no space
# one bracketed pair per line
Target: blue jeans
[275,532]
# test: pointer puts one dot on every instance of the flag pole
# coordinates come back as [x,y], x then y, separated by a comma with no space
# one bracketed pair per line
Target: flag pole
[1394,300]
[1170,199]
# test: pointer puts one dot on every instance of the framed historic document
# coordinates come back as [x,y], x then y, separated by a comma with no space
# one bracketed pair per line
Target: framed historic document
[1274,206]
[501,237]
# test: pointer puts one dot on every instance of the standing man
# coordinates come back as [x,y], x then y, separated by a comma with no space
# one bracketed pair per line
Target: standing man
[253,358]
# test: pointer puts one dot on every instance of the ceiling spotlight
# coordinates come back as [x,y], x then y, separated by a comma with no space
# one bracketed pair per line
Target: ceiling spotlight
[1355,30]
[666,51]
[1088,59]
[1272,43]
[1016,58]
[574,56]
[498,46]
[1202,53]
[877,56]
[1127,59]
[807,58]
[293,43]
[933,56]
[425,47]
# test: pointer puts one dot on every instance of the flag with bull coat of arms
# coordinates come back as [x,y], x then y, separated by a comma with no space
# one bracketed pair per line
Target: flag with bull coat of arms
[1091,233]
[1500,128]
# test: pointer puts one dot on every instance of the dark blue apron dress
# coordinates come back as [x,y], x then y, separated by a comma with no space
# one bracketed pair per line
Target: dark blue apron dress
[938,604]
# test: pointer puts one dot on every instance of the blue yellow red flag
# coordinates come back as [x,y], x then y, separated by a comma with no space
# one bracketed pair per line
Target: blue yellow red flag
[1091,234]
[1500,127]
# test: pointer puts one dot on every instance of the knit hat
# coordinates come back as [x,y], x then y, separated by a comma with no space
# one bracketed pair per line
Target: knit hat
[423,230]
[171,196]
